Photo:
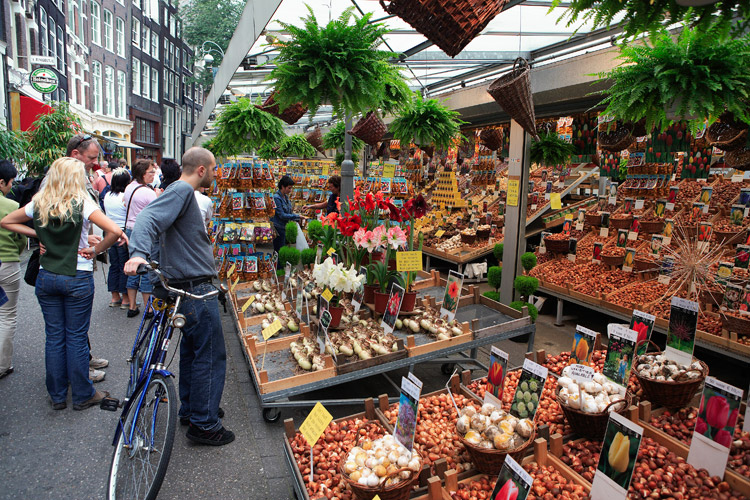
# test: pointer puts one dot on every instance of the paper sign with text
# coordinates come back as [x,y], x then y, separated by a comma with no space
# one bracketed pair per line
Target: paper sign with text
[409,261]
[271,330]
[315,423]
[247,303]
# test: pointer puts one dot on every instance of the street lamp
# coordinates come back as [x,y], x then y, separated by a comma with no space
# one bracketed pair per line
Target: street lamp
[208,59]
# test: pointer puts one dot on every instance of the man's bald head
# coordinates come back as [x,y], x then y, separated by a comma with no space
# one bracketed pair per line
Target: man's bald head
[196,157]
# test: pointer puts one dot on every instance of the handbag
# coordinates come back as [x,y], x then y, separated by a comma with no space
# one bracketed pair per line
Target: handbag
[32,268]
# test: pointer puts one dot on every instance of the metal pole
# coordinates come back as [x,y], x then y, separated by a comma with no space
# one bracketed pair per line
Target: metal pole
[514,243]
[347,166]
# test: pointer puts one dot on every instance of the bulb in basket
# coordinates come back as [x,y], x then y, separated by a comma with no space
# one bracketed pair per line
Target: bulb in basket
[658,367]
[384,462]
[589,397]
[493,428]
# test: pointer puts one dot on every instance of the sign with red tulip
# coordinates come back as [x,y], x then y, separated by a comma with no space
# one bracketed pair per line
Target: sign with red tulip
[496,377]
[513,483]
[714,426]
[643,323]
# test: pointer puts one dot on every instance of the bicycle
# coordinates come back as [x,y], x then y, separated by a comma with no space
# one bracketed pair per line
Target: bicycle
[146,428]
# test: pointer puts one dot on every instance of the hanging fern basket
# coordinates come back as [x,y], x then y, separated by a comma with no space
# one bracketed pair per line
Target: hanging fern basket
[492,138]
[727,133]
[315,138]
[291,115]
[370,128]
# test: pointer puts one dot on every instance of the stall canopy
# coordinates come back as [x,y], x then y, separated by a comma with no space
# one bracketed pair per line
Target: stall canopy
[30,110]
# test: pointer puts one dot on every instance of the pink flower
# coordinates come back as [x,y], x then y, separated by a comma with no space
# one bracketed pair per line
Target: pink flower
[359,237]
[380,235]
[370,243]
[396,237]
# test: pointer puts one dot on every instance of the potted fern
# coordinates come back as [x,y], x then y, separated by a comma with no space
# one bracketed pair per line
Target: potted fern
[699,74]
[296,146]
[242,127]
[426,122]
[550,150]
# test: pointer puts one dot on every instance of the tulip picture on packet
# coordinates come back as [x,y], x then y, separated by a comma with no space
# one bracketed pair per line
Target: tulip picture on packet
[513,483]
[717,414]
[619,451]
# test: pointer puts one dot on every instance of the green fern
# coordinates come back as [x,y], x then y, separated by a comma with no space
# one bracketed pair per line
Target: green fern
[339,158]
[296,145]
[268,151]
[335,137]
[700,73]
[242,127]
[340,64]
[551,150]
[426,122]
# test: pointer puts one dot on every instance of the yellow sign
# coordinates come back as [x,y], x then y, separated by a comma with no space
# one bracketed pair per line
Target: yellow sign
[327,295]
[331,251]
[439,234]
[554,199]
[231,270]
[409,261]
[512,198]
[234,284]
[389,171]
[271,330]
[315,423]
[247,303]
[325,170]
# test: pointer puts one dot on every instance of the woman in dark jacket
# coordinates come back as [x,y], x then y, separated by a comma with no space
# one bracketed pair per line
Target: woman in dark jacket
[283,213]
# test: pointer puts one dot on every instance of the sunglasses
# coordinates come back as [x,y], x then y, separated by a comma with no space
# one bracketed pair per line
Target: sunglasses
[82,139]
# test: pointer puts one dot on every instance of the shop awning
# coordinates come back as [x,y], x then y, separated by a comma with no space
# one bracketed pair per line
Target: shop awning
[122,143]
[30,110]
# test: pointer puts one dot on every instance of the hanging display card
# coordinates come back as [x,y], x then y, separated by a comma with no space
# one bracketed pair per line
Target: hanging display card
[406,422]
[496,377]
[683,321]
[583,345]
[742,256]
[451,295]
[392,308]
[613,474]
[513,482]
[643,324]
[529,390]
[714,427]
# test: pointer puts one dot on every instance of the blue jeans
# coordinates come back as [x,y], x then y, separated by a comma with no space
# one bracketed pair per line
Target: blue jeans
[279,242]
[203,361]
[139,282]
[66,303]
[117,280]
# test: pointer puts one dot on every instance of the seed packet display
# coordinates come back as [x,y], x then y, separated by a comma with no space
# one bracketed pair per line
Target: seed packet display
[724,272]
[406,422]
[572,248]
[660,207]
[529,390]
[737,214]
[496,377]
[635,228]
[622,238]
[513,483]
[619,358]
[392,308]
[643,324]
[583,345]
[604,230]
[627,264]
[714,427]
[668,230]
[706,192]
[580,219]
[613,474]
[597,253]
[705,230]
[733,296]
[452,295]
[683,321]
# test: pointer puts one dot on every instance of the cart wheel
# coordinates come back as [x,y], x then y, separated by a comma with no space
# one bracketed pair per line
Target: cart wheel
[447,368]
[271,415]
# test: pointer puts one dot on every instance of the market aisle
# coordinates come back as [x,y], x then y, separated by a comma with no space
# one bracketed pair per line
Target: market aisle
[66,454]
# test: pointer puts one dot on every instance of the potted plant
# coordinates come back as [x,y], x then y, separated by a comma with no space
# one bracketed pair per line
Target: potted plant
[383,275]
[288,254]
[291,233]
[335,138]
[296,146]
[308,257]
[315,231]
[698,75]
[426,122]
[242,127]
[550,150]
[338,279]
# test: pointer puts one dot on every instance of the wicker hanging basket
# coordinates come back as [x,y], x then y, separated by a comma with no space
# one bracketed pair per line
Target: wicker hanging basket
[449,25]
[492,138]
[727,133]
[617,140]
[370,129]
[428,150]
[513,93]
[315,138]
[383,150]
[738,159]
[290,115]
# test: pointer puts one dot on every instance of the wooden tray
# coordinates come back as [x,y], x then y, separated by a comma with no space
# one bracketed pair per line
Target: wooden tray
[355,363]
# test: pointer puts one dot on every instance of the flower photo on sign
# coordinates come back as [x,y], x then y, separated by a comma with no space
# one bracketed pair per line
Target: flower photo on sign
[717,415]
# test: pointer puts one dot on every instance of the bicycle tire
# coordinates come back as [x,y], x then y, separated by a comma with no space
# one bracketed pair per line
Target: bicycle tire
[132,475]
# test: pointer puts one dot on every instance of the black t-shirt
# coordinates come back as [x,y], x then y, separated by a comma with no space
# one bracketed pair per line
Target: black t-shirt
[331,207]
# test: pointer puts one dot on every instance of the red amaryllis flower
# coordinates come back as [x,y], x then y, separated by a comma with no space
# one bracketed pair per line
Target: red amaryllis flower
[395,213]
[331,219]
[419,207]
[453,290]
[349,225]
[370,203]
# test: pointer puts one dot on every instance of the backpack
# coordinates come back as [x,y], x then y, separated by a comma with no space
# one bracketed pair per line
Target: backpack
[23,191]
[104,192]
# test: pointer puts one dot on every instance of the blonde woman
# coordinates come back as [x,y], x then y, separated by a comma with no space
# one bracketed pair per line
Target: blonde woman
[62,211]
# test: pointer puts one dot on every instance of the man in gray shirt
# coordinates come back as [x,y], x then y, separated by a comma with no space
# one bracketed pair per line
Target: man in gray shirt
[174,219]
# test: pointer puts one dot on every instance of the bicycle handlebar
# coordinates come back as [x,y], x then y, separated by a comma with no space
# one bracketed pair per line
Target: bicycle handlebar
[154,266]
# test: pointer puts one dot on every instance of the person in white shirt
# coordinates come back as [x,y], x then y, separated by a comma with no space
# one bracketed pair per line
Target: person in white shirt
[115,209]
[206,207]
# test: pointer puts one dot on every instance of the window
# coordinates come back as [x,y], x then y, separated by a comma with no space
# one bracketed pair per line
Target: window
[136,71]
[107,29]
[135,37]
[121,92]
[172,26]
[109,91]
[145,131]
[155,46]
[43,47]
[121,2]
[60,50]
[52,37]
[155,85]
[120,31]
[145,80]
[166,87]
[96,91]
[168,132]
[96,24]
[137,3]
[144,39]
[179,28]
[178,133]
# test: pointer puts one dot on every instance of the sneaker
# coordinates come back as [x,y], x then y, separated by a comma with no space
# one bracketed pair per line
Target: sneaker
[132,313]
[186,420]
[98,363]
[59,406]
[95,400]
[96,375]
[219,437]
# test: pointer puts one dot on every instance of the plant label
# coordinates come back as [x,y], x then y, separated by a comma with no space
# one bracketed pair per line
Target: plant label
[714,427]
[683,321]
[581,373]
[622,238]
[231,271]
[555,201]
[452,295]
[596,256]
[643,324]
[635,228]
[583,345]
[315,423]
[742,256]
[627,264]
[409,261]
[639,203]
[529,390]
[613,474]
[620,352]
[247,303]
[271,330]
[327,295]
[406,422]
[392,308]
[496,377]
[299,303]
[513,482]
[439,234]
[318,253]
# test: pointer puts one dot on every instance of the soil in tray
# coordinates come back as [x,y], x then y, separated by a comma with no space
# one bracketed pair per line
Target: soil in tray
[278,364]
[257,331]
[484,315]
[434,291]
[420,338]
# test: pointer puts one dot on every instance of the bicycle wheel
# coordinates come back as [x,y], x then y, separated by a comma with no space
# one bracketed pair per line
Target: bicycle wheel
[138,470]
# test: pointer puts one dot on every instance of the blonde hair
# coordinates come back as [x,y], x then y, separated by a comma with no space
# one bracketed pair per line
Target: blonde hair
[64,185]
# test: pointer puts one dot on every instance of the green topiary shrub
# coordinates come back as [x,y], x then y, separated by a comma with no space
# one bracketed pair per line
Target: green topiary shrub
[308,256]
[291,232]
[528,261]
[518,305]
[525,286]
[498,252]
[288,254]
[315,231]
[492,296]
[495,276]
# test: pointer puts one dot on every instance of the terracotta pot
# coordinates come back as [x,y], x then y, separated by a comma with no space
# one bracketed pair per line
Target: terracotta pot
[370,293]
[335,316]
[381,302]
[407,303]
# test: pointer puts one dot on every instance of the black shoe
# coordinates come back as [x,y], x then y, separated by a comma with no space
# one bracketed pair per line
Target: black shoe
[132,313]
[149,314]
[186,420]
[59,406]
[212,438]
[6,372]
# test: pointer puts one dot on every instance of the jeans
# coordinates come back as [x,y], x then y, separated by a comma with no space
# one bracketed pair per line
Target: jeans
[138,282]
[279,242]
[117,280]
[66,303]
[10,282]
[203,361]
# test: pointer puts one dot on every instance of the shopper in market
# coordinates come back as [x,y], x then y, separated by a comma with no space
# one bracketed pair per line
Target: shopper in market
[11,246]
[170,172]
[138,195]
[283,213]
[334,186]
[62,211]
[114,208]
[187,261]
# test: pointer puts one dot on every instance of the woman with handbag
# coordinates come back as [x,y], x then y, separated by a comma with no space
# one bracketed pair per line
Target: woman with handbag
[62,211]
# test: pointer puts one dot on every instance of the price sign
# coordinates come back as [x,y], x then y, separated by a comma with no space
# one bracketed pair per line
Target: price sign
[409,261]
[331,251]
[234,284]
[231,270]
[555,201]
[247,303]
[271,330]
[439,234]
[312,428]
[389,171]
[513,188]
[327,295]
[581,373]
